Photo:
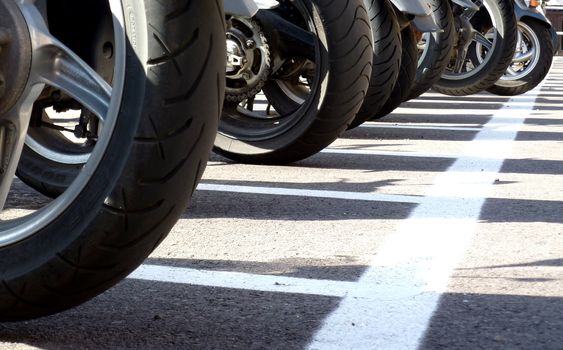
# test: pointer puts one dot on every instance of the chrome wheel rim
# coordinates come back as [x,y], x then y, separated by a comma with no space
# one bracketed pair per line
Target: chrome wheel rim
[54,64]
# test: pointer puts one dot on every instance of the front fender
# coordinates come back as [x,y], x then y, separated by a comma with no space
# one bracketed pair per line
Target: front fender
[413,7]
[555,40]
[523,11]
[418,12]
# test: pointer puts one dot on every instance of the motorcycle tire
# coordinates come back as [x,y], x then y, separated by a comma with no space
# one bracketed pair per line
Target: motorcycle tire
[337,89]
[536,69]
[437,52]
[386,59]
[406,76]
[502,12]
[133,190]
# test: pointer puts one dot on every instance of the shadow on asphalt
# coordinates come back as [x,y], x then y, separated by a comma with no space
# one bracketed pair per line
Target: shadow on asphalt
[153,315]
[538,263]
[522,210]
[480,321]
[473,98]
[384,163]
[208,205]
[429,117]
[391,133]
[339,269]
[369,163]
[477,104]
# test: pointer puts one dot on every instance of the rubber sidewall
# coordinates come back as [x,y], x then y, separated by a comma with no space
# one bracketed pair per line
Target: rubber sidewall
[134,196]
[406,76]
[387,52]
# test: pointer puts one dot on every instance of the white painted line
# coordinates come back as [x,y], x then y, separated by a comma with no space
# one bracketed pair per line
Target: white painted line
[482,157]
[516,101]
[504,126]
[417,127]
[444,112]
[412,268]
[245,281]
[293,192]
[367,152]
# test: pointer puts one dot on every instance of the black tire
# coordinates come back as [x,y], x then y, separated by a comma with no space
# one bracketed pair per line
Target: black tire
[386,59]
[343,68]
[500,58]
[406,76]
[168,116]
[438,51]
[540,69]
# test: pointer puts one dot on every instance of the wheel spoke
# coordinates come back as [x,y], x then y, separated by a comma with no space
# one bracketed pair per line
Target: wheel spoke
[481,39]
[519,40]
[511,71]
[460,60]
[13,129]
[57,65]
[524,57]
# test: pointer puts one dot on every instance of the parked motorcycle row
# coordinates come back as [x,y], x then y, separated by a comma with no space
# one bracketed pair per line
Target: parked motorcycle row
[112,116]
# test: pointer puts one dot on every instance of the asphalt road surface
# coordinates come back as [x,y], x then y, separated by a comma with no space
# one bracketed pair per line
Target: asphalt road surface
[440,227]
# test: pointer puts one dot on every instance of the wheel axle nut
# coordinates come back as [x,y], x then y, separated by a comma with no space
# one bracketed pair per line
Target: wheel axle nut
[250,44]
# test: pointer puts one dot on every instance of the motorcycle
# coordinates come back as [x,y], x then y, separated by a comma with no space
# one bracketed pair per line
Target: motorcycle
[412,15]
[297,74]
[535,48]
[124,103]
[484,46]
[291,88]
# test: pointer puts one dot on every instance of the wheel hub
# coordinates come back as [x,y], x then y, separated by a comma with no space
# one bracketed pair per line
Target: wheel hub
[15,54]
[236,57]
[248,60]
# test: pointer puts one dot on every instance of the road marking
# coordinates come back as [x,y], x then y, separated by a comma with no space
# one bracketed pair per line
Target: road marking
[367,152]
[412,268]
[417,127]
[245,281]
[516,100]
[294,192]
[497,126]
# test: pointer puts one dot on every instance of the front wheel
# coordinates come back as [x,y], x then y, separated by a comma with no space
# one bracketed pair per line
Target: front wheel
[531,63]
[434,49]
[154,127]
[387,52]
[406,75]
[484,48]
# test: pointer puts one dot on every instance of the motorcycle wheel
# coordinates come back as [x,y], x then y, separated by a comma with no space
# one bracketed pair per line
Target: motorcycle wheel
[465,75]
[386,59]
[530,66]
[161,118]
[406,76]
[307,103]
[435,50]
